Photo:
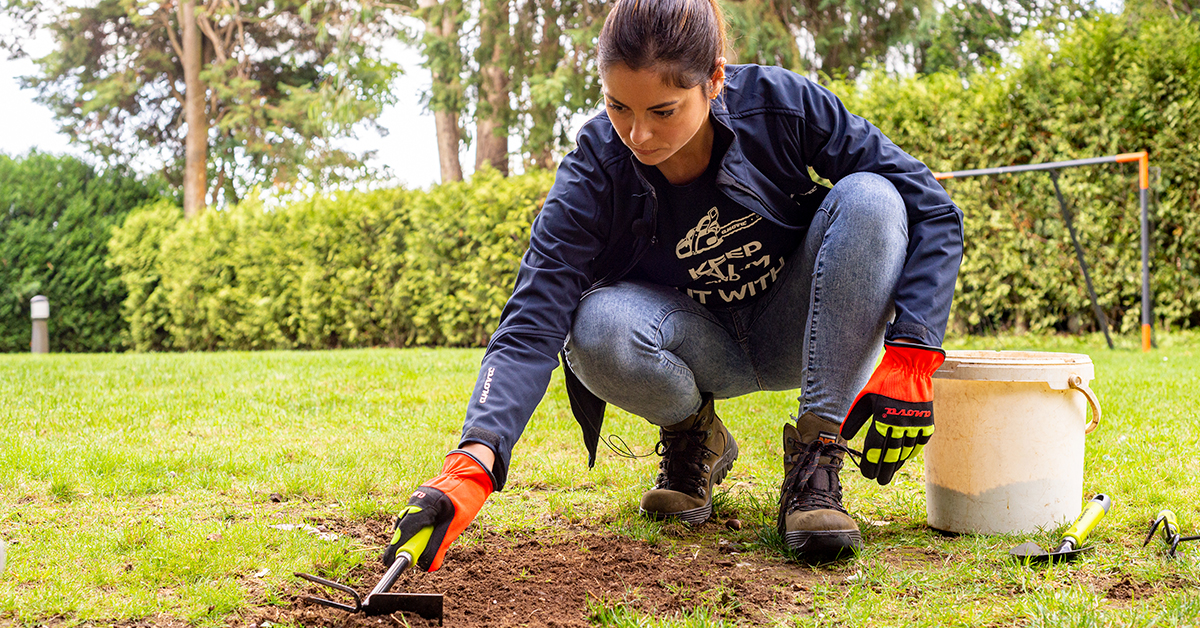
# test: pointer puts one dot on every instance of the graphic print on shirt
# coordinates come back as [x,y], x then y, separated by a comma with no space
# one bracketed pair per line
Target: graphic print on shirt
[737,271]
[709,234]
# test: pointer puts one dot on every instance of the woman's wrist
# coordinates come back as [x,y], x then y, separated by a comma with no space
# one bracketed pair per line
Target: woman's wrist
[482,453]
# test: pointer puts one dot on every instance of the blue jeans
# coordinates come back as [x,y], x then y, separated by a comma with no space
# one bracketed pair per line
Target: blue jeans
[652,350]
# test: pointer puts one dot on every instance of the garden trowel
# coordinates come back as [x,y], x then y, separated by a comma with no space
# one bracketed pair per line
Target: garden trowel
[380,601]
[1073,539]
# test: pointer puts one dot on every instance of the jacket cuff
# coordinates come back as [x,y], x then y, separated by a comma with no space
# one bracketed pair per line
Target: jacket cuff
[485,437]
[912,331]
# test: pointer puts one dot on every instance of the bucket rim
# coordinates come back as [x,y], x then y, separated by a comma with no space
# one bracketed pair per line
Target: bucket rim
[1016,358]
[1053,368]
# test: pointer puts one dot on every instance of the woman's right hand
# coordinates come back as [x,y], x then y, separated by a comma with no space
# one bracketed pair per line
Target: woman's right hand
[447,503]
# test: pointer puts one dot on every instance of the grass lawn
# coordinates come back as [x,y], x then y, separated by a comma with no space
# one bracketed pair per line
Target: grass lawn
[168,488]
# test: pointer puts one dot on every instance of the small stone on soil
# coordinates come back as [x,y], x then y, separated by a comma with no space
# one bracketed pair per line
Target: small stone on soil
[734,524]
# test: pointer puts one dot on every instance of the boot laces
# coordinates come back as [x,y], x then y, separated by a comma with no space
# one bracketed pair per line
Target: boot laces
[800,493]
[682,466]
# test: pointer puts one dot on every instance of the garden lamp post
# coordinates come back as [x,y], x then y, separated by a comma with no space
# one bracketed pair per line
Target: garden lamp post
[39,310]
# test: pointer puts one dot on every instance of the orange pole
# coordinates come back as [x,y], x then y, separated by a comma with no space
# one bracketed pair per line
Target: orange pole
[1128,157]
[1143,159]
[1144,194]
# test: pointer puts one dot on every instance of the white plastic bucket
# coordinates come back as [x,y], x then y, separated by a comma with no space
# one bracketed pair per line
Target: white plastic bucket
[1007,450]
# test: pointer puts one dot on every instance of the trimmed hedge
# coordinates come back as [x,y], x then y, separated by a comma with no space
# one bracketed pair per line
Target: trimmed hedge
[352,269]
[464,250]
[397,267]
[1116,84]
[56,214]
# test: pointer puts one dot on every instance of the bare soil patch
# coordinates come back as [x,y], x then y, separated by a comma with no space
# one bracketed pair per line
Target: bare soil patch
[1126,589]
[529,579]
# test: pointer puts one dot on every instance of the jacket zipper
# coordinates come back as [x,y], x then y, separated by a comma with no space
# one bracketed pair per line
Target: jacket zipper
[770,213]
[614,277]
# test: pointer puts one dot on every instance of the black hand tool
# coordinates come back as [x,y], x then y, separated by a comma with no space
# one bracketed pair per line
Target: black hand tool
[380,601]
[1170,527]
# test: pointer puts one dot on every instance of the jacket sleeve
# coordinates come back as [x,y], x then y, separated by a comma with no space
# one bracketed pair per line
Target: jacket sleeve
[564,243]
[837,143]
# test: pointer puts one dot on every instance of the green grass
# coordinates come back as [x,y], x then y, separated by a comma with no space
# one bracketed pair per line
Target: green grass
[140,486]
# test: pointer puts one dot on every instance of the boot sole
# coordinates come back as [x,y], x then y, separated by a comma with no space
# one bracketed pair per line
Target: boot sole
[823,544]
[697,516]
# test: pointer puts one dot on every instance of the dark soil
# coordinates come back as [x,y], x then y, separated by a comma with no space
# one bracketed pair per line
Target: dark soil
[1127,589]
[527,579]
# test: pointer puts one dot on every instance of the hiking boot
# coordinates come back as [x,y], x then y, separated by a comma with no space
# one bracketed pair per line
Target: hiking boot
[696,455]
[812,520]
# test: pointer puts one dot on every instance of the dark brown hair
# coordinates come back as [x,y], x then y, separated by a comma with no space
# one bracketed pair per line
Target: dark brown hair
[680,38]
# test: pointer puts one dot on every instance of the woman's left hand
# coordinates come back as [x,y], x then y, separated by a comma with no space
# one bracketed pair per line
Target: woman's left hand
[899,401]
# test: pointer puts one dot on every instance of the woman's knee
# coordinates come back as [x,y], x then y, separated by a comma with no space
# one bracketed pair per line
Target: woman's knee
[594,334]
[617,324]
[868,203]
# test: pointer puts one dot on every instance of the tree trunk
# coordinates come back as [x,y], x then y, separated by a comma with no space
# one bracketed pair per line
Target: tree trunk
[446,86]
[491,147]
[448,140]
[545,114]
[491,125]
[195,168]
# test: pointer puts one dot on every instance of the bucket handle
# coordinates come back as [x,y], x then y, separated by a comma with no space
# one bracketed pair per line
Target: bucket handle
[1076,382]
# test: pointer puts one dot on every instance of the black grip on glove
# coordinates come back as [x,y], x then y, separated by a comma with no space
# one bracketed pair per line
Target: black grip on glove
[428,507]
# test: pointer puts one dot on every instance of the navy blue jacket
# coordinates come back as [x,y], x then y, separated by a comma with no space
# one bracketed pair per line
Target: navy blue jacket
[600,214]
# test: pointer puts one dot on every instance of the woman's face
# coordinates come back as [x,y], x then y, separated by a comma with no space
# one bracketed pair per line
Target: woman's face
[659,122]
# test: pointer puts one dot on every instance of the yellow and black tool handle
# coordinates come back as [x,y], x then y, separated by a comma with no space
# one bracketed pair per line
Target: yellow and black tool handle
[1170,523]
[405,556]
[1170,527]
[1093,512]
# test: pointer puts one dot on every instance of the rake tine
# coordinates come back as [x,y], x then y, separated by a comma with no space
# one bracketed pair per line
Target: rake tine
[1180,539]
[333,585]
[1153,529]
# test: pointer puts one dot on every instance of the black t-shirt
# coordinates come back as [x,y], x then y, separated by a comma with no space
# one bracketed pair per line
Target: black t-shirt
[709,247]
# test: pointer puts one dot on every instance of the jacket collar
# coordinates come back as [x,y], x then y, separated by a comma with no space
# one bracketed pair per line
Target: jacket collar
[737,177]
[740,179]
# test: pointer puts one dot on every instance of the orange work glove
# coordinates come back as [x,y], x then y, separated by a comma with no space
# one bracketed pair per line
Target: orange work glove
[899,401]
[447,503]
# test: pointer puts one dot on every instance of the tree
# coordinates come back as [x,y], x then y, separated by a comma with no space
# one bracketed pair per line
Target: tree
[245,92]
[820,35]
[969,35]
[493,108]
[445,60]
[1177,9]
[924,36]
[555,44]
[58,215]
[522,67]
[1106,84]
[526,67]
